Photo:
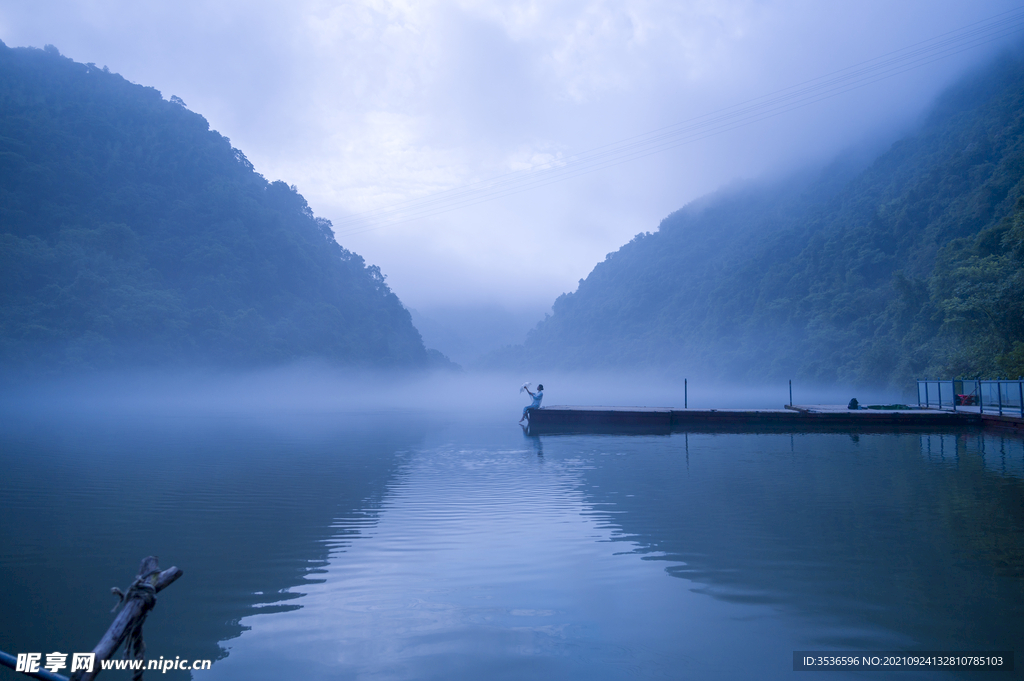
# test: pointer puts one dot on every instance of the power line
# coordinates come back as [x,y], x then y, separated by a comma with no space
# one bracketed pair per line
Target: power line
[745,113]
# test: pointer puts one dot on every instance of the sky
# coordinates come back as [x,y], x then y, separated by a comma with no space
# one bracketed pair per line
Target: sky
[365,104]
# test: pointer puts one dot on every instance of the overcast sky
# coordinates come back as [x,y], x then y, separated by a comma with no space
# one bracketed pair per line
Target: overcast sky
[367,103]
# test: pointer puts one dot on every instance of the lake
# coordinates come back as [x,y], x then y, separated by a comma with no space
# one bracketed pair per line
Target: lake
[397,545]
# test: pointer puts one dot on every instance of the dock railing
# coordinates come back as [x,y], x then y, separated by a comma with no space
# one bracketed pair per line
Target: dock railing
[940,394]
[989,396]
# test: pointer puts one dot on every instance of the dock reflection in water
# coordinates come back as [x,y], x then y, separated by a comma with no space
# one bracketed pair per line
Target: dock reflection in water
[682,556]
[471,551]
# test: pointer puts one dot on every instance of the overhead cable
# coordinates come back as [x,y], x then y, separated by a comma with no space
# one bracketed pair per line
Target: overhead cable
[972,36]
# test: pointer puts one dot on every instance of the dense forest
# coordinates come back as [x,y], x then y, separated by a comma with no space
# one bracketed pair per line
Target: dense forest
[133,235]
[912,264]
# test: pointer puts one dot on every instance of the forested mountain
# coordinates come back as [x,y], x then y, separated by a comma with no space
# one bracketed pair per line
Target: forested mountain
[132,234]
[912,266]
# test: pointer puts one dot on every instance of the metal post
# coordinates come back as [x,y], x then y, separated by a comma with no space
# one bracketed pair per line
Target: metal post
[1020,390]
[686,395]
[927,401]
[953,383]
[999,394]
[938,389]
[981,402]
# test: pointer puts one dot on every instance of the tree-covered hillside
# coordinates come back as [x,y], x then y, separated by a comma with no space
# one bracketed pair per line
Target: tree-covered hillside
[132,234]
[910,266]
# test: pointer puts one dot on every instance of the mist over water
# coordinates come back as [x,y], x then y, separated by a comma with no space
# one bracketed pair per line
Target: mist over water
[398,523]
[315,388]
[345,540]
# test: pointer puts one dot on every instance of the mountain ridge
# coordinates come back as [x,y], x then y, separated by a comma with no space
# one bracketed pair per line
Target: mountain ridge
[801,278]
[133,234]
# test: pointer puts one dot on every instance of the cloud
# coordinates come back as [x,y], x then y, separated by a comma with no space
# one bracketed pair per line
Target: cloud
[367,103]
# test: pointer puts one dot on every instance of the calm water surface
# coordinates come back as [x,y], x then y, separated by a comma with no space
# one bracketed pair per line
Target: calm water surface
[393,546]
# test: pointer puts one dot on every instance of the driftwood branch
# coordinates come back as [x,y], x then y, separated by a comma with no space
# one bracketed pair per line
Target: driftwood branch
[137,603]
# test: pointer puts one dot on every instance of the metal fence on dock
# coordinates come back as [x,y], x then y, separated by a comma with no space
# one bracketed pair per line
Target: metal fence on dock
[990,397]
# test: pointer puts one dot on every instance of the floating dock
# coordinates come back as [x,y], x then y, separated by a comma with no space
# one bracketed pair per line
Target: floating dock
[796,418]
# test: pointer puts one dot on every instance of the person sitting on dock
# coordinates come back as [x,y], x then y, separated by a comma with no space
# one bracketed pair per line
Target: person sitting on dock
[537,397]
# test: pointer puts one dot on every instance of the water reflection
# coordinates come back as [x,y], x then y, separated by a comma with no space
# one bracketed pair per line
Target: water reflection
[485,564]
[242,505]
[380,547]
[536,442]
[883,541]
[999,453]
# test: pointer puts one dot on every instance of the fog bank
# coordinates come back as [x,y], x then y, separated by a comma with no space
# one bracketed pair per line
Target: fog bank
[312,388]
